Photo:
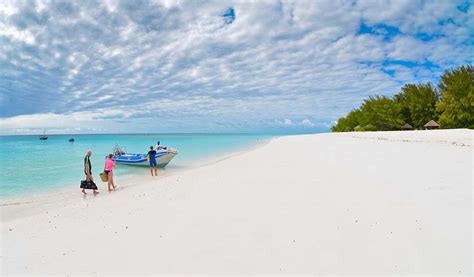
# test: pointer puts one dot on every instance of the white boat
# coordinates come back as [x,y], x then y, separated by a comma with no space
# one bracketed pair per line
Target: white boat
[163,157]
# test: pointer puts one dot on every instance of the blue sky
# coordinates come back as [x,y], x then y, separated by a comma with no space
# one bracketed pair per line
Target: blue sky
[216,66]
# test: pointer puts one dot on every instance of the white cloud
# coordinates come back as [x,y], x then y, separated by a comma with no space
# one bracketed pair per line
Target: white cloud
[307,122]
[406,48]
[17,35]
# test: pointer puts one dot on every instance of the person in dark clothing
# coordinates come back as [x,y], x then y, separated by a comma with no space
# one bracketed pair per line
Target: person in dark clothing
[89,182]
[152,160]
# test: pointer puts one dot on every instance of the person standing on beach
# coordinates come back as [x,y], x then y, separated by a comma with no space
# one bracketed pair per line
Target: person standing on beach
[89,183]
[109,170]
[152,160]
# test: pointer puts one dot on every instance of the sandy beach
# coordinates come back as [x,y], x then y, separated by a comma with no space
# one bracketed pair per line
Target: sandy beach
[340,203]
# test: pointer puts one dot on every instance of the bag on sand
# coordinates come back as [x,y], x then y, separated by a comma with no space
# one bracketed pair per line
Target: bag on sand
[104,177]
[88,185]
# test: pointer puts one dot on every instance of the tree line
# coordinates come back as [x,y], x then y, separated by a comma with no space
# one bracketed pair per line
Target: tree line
[450,103]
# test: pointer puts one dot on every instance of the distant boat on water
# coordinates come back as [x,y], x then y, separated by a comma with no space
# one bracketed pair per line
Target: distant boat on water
[71,140]
[44,136]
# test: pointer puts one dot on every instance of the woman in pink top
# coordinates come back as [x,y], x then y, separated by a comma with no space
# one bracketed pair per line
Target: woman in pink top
[109,170]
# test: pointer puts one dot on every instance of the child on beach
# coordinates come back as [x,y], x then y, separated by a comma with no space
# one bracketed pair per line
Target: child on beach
[152,160]
[109,170]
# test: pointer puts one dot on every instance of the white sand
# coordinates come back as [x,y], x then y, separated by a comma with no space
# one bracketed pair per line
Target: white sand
[360,203]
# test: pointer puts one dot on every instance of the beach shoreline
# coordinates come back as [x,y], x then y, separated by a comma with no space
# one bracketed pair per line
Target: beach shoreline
[359,203]
[56,163]
[71,192]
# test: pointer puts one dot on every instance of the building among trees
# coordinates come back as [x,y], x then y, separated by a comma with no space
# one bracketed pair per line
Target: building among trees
[407,127]
[432,125]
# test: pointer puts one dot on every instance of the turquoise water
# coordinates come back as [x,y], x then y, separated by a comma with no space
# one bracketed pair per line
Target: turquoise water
[31,165]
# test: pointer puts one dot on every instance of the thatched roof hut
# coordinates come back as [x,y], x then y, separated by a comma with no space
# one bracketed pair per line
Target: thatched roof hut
[407,127]
[432,125]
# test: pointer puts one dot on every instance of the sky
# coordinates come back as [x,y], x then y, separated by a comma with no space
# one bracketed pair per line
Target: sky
[216,66]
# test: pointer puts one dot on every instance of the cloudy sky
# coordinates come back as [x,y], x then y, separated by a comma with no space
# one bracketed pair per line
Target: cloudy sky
[223,66]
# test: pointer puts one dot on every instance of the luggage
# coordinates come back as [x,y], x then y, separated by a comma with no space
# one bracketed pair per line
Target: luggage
[104,177]
[88,185]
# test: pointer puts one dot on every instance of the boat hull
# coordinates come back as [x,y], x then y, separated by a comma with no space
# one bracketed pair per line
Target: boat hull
[162,159]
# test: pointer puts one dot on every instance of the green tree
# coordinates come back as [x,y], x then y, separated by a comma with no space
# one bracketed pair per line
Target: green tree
[376,113]
[401,100]
[417,104]
[452,106]
[349,122]
[382,113]
[457,98]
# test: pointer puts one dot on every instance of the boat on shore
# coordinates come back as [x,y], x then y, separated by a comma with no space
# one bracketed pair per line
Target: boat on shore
[163,157]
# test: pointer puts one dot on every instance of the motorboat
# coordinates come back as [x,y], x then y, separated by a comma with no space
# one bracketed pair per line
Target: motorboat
[163,157]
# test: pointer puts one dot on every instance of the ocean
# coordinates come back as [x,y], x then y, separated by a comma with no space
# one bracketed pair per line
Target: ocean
[29,165]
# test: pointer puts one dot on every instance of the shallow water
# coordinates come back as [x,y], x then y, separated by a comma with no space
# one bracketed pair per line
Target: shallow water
[30,165]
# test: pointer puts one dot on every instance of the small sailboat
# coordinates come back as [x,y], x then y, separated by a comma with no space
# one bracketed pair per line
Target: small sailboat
[43,136]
